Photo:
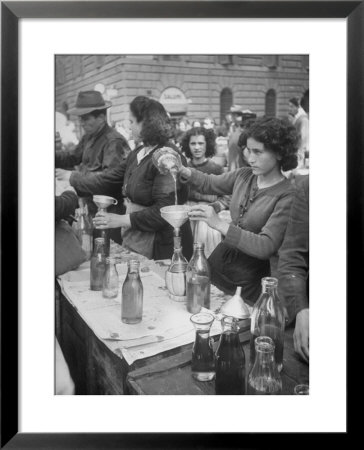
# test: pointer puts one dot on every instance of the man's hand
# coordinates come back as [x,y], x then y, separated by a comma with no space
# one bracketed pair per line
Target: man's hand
[108,220]
[207,214]
[63,175]
[301,334]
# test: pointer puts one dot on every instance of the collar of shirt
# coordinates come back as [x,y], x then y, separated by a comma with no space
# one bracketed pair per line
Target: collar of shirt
[143,152]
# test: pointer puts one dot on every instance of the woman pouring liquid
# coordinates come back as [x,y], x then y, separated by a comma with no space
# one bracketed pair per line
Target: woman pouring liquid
[259,207]
[146,190]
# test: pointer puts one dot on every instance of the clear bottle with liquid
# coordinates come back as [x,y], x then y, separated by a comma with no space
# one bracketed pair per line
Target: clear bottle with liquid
[198,279]
[84,230]
[268,319]
[97,265]
[176,273]
[132,295]
[203,361]
[230,360]
[264,377]
[110,287]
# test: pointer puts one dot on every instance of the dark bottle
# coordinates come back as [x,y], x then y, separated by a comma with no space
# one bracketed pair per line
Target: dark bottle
[98,265]
[198,278]
[268,319]
[132,295]
[203,361]
[103,233]
[230,360]
[264,378]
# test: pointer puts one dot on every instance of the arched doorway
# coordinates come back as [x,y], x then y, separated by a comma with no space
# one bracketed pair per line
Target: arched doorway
[271,103]
[226,101]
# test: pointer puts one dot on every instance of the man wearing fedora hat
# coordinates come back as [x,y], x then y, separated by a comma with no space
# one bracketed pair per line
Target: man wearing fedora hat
[100,151]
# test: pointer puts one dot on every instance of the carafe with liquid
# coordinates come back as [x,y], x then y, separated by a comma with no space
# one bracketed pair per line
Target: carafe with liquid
[198,279]
[203,363]
[230,360]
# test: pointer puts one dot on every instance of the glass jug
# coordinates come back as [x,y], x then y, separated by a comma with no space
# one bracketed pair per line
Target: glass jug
[203,363]
[230,360]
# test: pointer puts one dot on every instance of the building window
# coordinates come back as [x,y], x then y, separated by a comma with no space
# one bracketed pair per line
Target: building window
[225,59]
[226,101]
[171,57]
[271,61]
[270,103]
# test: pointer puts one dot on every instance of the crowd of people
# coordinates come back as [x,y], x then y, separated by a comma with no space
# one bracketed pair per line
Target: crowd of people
[250,209]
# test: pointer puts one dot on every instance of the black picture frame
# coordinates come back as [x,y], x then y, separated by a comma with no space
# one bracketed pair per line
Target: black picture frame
[11,12]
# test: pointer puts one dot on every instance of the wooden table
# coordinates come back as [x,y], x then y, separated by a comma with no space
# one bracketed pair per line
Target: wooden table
[97,365]
[172,375]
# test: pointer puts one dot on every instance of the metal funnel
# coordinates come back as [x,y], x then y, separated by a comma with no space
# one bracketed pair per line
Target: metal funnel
[175,215]
[236,307]
[103,201]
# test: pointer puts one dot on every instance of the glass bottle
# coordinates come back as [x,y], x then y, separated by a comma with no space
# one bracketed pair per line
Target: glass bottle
[110,288]
[202,364]
[103,233]
[264,377]
[84,230]
[198,278]
[132,295]
[98,265]
[230,360]
[176,273]
[268,319]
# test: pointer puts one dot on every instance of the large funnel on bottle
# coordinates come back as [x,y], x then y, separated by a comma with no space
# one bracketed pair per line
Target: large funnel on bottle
[175,215]
[103,201]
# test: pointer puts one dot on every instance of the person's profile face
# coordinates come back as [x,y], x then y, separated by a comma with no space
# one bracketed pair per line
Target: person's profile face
[262,160]
[292,109]
[135,127]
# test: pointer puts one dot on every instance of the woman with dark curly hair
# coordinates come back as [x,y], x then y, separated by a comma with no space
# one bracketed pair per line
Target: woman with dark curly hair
[198,144]
[259,207]
[145,189]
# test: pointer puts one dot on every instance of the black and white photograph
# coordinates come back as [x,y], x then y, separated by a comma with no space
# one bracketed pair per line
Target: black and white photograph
[182,224]
[181,197]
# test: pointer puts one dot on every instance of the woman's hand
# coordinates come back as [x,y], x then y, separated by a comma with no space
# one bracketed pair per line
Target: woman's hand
[108,220]
[207,214]
[63,175]
[301,334]
[185,173]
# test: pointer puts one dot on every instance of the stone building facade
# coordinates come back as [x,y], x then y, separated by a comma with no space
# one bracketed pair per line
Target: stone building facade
[195,86]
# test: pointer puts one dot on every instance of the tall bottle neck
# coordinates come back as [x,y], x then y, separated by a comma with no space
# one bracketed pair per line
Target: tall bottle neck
[269,285]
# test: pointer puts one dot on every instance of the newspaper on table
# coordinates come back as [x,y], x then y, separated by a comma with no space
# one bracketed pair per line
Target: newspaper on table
[165,324]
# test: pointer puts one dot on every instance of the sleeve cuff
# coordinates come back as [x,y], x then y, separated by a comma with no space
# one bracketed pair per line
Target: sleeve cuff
[233,235]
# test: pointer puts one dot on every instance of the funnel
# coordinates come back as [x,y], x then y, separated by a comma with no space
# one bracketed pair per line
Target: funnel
[175,215]
[103,201]
[236,307]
